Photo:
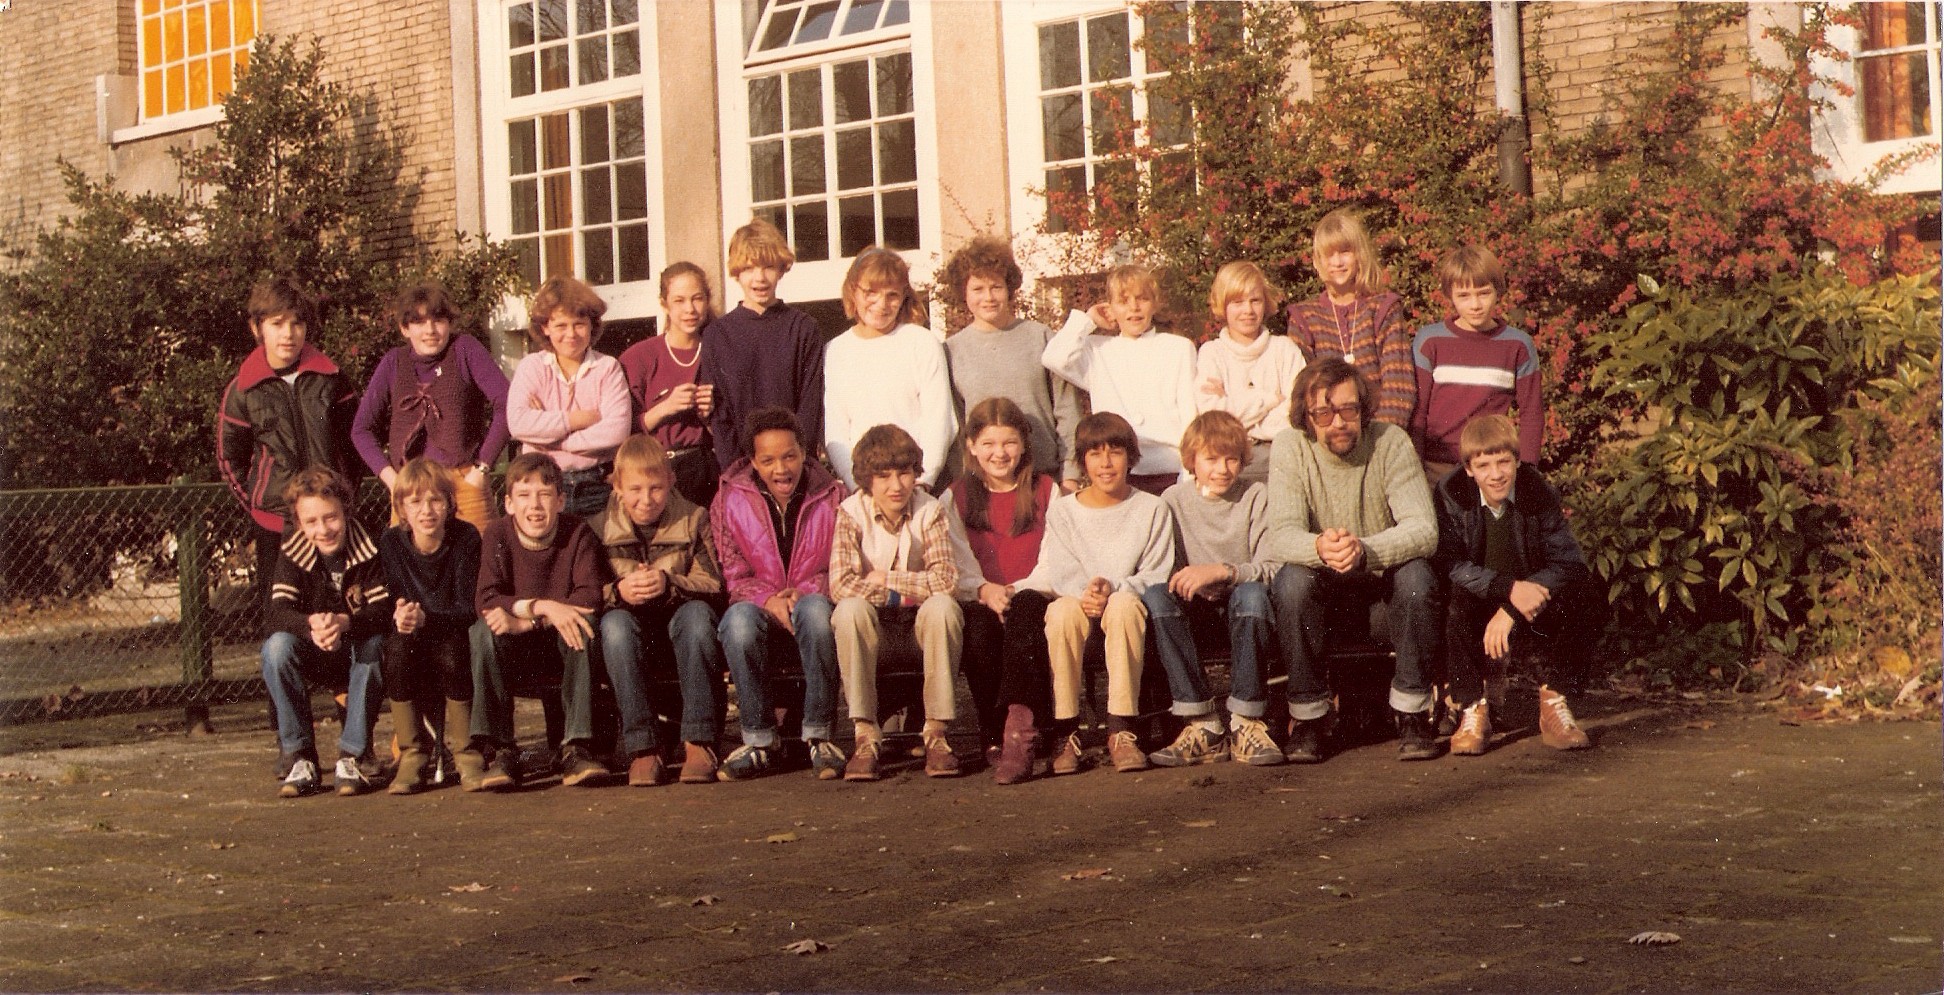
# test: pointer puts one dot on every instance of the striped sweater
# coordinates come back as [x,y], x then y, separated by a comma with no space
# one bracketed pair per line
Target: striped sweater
[1462,374]
[1371,337]
[305,581]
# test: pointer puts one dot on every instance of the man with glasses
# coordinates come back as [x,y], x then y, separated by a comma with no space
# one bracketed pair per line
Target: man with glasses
[1351,515]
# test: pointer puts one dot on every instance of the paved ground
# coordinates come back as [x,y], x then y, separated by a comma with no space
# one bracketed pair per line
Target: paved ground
[1787,858]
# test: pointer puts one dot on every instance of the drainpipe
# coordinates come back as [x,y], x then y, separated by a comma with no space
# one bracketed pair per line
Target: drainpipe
[1508,71]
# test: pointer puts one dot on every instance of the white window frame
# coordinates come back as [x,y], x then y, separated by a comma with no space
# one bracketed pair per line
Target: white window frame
[1838,136]
[498,108]
[823,279]
[164,123]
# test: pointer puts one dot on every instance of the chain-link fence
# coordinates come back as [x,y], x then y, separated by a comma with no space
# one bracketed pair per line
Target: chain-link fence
[122,598]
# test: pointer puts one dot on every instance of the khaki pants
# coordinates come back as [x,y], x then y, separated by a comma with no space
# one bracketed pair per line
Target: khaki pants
[939,627]
[1124,624]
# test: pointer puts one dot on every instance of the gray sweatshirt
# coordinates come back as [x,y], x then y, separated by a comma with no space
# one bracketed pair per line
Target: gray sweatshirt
[1006,363]
[1378,493]
[1227,529]
[1130,544]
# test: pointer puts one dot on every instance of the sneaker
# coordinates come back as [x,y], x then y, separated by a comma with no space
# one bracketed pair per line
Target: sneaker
[699,765]
[1195,745]
[1250,744]
[744,763]
[1305,744]
[1474,730]
[1448,715]
[647,771]
[940,761]
[826,760]
[350,779]
[1071,757]
[578,767]
[1414,736]
[863,765]
[300,781]
[1124,749]
[1557,727]
[502,771]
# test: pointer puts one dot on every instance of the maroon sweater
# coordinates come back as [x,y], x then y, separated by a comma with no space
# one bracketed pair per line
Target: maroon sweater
[570,569]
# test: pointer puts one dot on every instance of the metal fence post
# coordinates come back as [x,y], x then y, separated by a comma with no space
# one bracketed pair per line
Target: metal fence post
[193,576]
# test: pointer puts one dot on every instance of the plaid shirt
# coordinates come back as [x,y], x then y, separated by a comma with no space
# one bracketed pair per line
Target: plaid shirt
[922,537]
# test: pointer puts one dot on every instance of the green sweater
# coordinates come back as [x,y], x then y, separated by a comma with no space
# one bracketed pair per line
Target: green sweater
[1378,493]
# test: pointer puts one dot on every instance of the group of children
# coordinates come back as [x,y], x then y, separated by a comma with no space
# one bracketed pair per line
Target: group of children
[734,492]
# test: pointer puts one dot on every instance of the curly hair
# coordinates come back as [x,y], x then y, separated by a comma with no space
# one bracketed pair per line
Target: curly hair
[988,256]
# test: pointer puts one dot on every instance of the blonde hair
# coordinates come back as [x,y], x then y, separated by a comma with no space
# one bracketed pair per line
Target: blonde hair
[1133,280]
[1235,280]
[641,453]
[1343,229]
[1470,266]
[1488,434]
[422,476]
[757,244]
[878,267]
[1216,432]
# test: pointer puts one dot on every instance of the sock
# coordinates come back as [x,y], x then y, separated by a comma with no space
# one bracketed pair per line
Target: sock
[1060,729]
[1119,723]
[1211,723]
[865,731]
[935,729]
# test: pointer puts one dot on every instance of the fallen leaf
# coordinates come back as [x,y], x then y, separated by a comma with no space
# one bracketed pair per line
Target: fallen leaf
[1340,817]
[1910,939]
[1088,874]
[1700,724]
[804,948]
[1575,960]
[786,837]
[475,886]
[705,900]
[1652,938]
[574,979]
[1102,960]
[1200,824]
[213,845]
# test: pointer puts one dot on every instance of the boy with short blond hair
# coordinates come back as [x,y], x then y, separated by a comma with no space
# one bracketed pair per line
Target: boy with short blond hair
[891,563]
[1220,566]
[764,352]
[325,621]
[665,598]
[1103,547]
[1473,364]
[1518,581]
[540,577]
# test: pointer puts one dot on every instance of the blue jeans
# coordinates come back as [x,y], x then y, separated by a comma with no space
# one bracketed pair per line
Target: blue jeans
[292,664]
[1249,628]
[493,656]
[746,630]
[685,632]
[1308,602]
[586,491]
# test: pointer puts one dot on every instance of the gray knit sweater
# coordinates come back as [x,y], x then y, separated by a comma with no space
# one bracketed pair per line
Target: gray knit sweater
[1006,363]
[1227,529]
[1378,493]
[1130,544]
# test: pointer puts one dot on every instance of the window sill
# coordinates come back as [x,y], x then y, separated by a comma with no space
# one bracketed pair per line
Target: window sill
[167,125]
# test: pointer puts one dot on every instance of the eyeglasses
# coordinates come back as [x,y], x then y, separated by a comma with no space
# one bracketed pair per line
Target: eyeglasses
[1347,412]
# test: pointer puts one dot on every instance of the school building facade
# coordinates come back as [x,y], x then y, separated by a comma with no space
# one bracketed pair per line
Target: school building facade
[607,138]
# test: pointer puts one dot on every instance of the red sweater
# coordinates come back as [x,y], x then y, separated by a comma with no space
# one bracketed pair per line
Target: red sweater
[1462,375]
[571,568]
[1004,559]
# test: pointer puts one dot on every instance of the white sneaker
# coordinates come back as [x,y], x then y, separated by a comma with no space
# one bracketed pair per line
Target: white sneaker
[351,780]
[302,779]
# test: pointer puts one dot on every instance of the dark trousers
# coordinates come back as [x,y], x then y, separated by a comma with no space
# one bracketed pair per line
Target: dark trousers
[1008,656]
[427,667]
[1558,640]
[1311,602]
[696,474]
[494,657]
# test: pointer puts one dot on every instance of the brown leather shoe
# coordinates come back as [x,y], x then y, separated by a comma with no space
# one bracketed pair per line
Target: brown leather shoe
[1126,753]
[940,761]
[1071,758]
[1557,727]
[699,764]
[647,771]
[863,763]
[1020,748]
[1474,730]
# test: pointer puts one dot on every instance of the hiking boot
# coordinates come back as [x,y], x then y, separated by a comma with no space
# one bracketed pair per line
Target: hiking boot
[1414,736]
[745,762]
[578,767]
[301,780]
[1250,743]
[1195,745]
[1071,758]
[940,761]
[699,765]
[1020,748]
[1557,727]
[647,771]
[410,776]
[502,771]
[1305,744]
[1124,749]
[1474,730]
[826,760]
[863,765]
[351,780]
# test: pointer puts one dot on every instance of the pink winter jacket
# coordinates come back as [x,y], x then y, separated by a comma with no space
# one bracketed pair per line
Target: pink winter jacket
[746,543]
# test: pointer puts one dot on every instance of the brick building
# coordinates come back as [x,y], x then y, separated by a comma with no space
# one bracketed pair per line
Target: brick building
[608,137]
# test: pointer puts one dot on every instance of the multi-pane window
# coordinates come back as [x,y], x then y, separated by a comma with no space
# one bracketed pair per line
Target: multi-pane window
[554,44]
[1897,70]
[833,155]
[788,24]
[191,52]
[579,188]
